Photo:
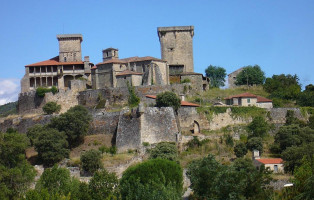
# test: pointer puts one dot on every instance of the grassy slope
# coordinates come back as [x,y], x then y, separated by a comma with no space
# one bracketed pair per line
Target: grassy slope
[7,109]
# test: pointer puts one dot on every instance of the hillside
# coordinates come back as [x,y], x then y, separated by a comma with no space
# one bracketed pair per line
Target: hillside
[8,109]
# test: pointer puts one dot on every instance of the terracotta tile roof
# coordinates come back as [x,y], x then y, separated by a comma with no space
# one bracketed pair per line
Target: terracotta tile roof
[183,103]
[263,99]
[131,59]
[128,72]
[245,95]
[53,61]
[270,160]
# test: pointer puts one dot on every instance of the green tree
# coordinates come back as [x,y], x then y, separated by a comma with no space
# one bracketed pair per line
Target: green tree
[251,75]
[240,150]
[56,180]
[258,127]
[311,122]
[216,75]
[16,174]
[133,99]
[34,132]
[74,123]
[51,107]
[51,146]
[155,172]
[91,161]
[168,99]
[283,86]
[293,155]
[164,150]
[306,98]
[255,143]
[104,185]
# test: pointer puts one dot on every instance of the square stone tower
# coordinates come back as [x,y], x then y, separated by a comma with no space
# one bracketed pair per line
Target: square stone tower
[177,48]
[70,47]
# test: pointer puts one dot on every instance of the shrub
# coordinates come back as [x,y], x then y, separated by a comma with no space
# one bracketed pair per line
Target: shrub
[103,149]
[51,107]
[186,80]
[133,100]
[113,150]
[74,123]
[34,132]
[240,150]
[41,91]
[54,89]
[255,143]
[104,185]
[168,99]
[91,161]
[164,150]
[51,146]
[155,172]
[229,140]
[258,127]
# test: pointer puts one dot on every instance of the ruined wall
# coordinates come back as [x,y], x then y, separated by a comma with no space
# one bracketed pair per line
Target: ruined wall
[30,103]
[153,125]
[158,125]
[232,77]
[128,132]
[89,98]
[278,115]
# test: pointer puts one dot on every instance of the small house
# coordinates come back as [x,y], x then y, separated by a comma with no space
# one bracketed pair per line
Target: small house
[248,99]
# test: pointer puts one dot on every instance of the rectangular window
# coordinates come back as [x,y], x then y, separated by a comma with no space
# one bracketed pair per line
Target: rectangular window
[248,100]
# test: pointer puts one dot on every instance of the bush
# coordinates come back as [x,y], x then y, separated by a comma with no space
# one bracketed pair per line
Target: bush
[51,107]
[51,146]
[41,91]
[74,123]
[240,150]
[34,132]
[168,99]
[164,150]
[255,143]
[186,80]
[133,100]
[104,185]
[91,161]
[156,172]
[54,89]
[258,127]
[113,150]
[229,140]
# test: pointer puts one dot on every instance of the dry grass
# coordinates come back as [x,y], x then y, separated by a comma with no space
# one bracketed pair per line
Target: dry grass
[91,142]
[117,159]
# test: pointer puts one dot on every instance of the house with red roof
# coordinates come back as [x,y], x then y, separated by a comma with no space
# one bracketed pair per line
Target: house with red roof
[274,164]
[60,70]
[248,99]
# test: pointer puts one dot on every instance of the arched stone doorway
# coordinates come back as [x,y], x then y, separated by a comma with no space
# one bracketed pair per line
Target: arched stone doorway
[196,127]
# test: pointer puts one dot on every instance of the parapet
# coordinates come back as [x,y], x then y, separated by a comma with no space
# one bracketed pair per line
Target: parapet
[69,36]
[175,28]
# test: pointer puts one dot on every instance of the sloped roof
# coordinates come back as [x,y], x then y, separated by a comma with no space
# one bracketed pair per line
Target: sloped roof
[128,72]
[263,99]
[245,95]
[270,160]
[53,61]
[183,103]
[131,59]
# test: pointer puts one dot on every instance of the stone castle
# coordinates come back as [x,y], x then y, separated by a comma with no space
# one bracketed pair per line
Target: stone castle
[175,65]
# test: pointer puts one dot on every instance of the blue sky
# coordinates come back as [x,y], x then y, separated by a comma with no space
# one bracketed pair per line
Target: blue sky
[277,35]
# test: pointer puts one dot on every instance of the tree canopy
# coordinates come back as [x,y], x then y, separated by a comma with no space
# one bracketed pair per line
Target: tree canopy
[251,75]
[168,99]
[164,150]
[283,86]
[216,75]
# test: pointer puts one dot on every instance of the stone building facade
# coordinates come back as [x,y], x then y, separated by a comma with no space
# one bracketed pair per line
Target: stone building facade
[115,72]
[232,77]
[176,45]
[58,71]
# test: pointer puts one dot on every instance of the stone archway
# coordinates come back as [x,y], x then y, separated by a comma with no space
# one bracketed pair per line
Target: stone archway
[196,127]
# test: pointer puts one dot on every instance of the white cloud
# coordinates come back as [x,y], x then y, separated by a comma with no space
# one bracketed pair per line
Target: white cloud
[9,90]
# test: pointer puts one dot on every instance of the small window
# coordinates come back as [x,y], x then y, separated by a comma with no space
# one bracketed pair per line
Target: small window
[65,59]
[249,100]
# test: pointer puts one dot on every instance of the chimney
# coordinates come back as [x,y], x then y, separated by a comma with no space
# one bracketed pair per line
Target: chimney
[256,154]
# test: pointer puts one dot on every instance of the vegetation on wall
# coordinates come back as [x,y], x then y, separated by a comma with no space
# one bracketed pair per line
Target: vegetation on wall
[168,99]
[51,107]
[133,99]
[41,91]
